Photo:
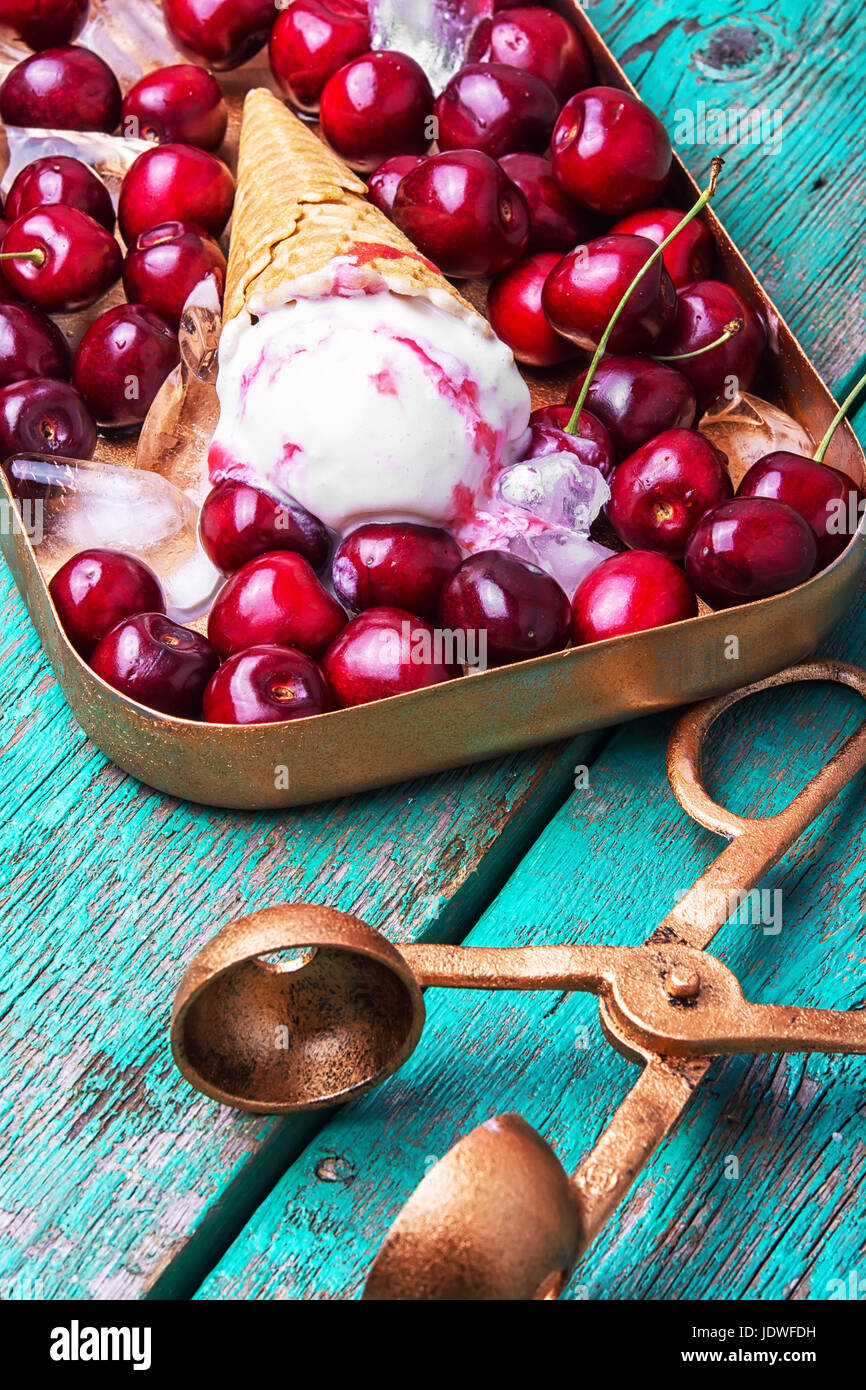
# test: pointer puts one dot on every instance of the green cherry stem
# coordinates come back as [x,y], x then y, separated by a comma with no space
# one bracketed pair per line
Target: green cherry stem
[838,418]
[731,329]
[35,257]
[715,169]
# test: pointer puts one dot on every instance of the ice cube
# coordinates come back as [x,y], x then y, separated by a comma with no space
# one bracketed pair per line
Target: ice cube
[746,428]
[558,489]
[564,554]
[435,33]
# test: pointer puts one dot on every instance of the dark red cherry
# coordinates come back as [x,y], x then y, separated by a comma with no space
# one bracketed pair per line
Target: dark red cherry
[164,265]
[76,261]
[45,416]
[96,589]
[748,549]
[238,522]
[585,287]
[462,211]
[383,185]
[7,294]
[691,253]
[45,23]
[636,399]
[158,663]
[704,310]
[395,564]
[275,598]
[538,41]
[313,39]
[495,108]
[30,345]
[181,103]
[266,685]
[225,33]
[593,445]
[59,178]
[827,499]
[517,316]
[377,106]
[382,652]
[631,592]
[121,362]
[555,223]
[610,152]
[660,491]
[64,88]
[522,611]
[175,183]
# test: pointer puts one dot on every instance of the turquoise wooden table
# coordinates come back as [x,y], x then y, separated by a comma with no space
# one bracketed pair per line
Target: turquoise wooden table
[118,1180]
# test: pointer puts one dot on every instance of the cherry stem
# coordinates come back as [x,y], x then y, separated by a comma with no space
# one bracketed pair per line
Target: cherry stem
[35,257]
[715,169]
[838,418]
[731,329]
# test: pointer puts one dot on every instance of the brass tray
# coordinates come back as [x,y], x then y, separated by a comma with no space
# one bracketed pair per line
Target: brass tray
[498,711]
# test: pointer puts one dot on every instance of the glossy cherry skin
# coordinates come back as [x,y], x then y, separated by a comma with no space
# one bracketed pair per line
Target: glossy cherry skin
[60,179]
[7,294]
[97,589]
[181,103]
[64,88]
[45,416]
[585,287]
[45,23]
[384,651]
[121,362]
[158,663]
[495,108]
[637,398]
[610,152]
[535,40]
[377,106]
[30,345]
[266,685]
[555,222]
[164,265]
[223,32]
[383,185]
[463,211]
[313,39]
[517,316]
[631,592]
[824,497]
[238,522]
[396,564]
[704,309]
[175,183]
[520,608]
[661,490]
[81,260]
[690,255]
[547,435]
[747,549]
[274,599]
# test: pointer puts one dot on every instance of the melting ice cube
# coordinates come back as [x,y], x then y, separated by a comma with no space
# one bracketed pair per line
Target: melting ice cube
[435,33]
[568,557]
[558,489]
[746,428]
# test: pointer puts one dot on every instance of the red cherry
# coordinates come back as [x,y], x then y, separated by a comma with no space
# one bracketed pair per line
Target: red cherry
[538,41]
[180,103]
[395,564]
[121,362]
[97,589]
[64,88]
[377,106]
[238,522]
[164,265]
[30,345]
[60,179]
[7,294]
[555,223]
[275,598]
[382,652]
[383,185]
[78,259]
[585,287]
[175,183]
[636,399]
[824,497]
[223,32]
[158,663]
[747,549]
[522,611]
[690,255]
[660,491]
[704,310]
[462,211]
[266,685]
[313,39]
[45,23]
[547,435]
[495,108]
[610,152]
[45,416]
[630,593]
[516,314]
